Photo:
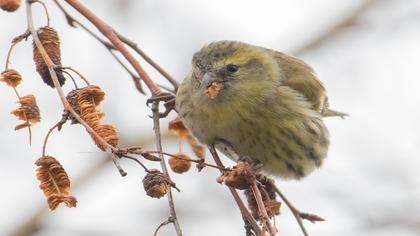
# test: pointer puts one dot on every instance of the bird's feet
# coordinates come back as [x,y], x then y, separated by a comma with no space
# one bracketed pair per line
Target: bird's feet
[169,102]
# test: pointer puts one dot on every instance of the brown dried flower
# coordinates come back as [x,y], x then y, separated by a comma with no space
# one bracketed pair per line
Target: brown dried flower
[10,5]
[156,184]
[51,42]
[11,77]
[55,182]
[181,163]
[28,111]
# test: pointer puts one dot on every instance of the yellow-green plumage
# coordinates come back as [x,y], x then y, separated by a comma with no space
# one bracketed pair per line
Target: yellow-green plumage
[269,108]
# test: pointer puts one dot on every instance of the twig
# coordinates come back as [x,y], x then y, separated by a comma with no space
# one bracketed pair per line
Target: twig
[156,128]
[71,20]
[244,211]
[44,146]
[296,213]
[108,32]
[75,71]
[261,208]
[136,160]
[45,9]
[168,221]
[149,60]
[51,68]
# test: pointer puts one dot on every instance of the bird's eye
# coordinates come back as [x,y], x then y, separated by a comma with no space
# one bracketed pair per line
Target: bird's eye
[231,68]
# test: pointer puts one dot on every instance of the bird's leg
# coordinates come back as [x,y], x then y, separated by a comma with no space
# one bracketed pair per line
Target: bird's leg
[169,102]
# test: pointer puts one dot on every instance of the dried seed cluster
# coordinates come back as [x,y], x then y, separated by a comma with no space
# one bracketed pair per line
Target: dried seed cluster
[88,100]
[55,182]
[180,163]
[11,77]
[10,5]
[156,184]
[51,42]
[28,111]
[240,176]
[268,195]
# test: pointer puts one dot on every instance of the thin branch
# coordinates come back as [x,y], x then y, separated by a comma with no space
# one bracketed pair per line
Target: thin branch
[75,71]
[261,208]
[168,221]
[156,128]
[296,213]
[244,211]
[44,146]
[136,160]
[51,68]
[108,32]
[45,9]
[149,60]
[71,21]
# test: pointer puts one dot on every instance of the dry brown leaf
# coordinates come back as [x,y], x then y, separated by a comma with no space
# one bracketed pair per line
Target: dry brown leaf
[11,77]
[55,182]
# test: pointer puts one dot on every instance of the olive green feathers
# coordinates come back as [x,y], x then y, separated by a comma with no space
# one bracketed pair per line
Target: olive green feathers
[257,104]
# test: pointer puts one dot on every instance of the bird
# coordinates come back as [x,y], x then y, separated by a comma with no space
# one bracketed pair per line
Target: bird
[257,104]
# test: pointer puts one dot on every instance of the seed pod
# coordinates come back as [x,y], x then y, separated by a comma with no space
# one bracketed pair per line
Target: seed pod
[28,111]
[156,184]
[241,176]
[108,133]
[72,99]
[55,182]
[11,77]
[180,163]
[51,42]
[10,5]
[178,128]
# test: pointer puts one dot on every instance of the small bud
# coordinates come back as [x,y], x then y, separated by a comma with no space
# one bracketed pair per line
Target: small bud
[9,5]
[156,184]
[11,77]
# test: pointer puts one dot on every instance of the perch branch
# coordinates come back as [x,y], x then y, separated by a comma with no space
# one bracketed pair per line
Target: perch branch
[108,32]
[51,68]
[244,211]
[156,128]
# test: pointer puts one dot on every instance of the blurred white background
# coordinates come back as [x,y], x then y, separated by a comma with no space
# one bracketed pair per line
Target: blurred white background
[369,186]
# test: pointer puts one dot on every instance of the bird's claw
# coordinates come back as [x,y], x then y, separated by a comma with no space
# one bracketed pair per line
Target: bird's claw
[169,102]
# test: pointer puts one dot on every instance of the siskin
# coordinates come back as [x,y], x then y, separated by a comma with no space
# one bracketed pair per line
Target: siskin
[257,104]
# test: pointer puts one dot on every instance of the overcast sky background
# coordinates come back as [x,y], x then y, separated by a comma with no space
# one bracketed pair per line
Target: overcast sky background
[369,186]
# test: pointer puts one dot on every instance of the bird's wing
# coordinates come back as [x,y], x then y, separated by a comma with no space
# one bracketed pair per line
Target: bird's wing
[300,76]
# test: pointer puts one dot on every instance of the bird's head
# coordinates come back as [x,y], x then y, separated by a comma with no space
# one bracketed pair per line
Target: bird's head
[224,69]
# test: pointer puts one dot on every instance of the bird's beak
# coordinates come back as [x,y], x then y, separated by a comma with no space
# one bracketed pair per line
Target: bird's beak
[206,82]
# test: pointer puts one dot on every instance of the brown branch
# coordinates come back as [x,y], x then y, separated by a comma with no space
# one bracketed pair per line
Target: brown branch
[44,146]
[71,21]
[296,213]
[261,208]
[149,60]
[108,32]
[51,66]
[75,71]
[244,211]
[168,221]
[156,128]
[45,9]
